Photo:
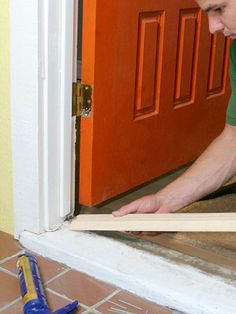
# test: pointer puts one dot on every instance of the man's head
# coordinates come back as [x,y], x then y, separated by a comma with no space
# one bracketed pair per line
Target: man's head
[221,15]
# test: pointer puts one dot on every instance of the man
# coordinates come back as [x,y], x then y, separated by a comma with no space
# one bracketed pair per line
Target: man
[218,163]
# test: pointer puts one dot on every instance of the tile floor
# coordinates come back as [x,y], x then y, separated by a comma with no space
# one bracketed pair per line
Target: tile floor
[63,285]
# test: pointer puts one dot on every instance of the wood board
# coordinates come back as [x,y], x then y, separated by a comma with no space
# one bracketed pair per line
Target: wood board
[198,222]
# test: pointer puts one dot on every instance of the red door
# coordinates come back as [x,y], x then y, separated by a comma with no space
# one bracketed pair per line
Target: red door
[160,90]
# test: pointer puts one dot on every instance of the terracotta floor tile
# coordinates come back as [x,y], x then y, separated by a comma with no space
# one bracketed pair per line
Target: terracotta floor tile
[48,268]
[9,289]
[78,286]
[14,309]
[8,245]
[10,265]
[54,302]
[125,301]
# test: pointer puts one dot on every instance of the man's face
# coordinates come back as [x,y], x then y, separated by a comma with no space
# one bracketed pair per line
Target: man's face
[221,15]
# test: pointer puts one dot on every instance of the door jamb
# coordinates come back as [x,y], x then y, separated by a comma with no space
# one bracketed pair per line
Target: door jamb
[41,90]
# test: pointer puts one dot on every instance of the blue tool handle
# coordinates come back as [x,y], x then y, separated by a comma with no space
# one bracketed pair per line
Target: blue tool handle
[70,308]
[32,289]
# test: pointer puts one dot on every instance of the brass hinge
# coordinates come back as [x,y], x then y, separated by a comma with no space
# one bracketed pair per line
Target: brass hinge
[81,99]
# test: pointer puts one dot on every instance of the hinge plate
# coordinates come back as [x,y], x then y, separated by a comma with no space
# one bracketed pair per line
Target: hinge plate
[81,99]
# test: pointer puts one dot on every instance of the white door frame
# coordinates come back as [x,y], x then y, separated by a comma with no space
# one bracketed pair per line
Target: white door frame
[41,55]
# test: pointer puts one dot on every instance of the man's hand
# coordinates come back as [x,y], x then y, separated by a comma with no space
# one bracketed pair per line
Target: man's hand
[147,204]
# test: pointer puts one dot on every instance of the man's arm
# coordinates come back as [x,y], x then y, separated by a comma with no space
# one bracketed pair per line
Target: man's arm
[211,170]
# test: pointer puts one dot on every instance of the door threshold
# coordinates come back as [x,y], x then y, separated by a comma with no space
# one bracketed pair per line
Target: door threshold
[165,276]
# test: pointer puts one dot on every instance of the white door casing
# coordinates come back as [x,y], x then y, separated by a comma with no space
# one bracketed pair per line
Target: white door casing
[41,52]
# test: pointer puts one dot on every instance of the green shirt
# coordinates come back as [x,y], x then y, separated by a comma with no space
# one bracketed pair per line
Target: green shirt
[231,111]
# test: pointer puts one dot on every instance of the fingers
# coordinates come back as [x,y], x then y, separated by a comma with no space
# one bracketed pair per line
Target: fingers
[150,233]
[125,210]
[164,210]
[134,233]
[146,204]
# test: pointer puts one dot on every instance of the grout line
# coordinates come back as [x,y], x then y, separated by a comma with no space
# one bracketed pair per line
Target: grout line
[66,298]
[10,304]
[59,294]
[91,310]
[106,299]
[57,276]
[116,304]
[118,311]
[132,305]
[6,259]
[8,272]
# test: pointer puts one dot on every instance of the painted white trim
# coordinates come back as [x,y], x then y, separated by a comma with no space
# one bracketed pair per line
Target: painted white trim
[66,63]
[24,105]
[75,40]
[41,80]
[164,280]
[73,168]
[74,131]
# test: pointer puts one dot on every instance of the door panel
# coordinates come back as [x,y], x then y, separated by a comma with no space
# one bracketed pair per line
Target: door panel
[149,56]
[187,47]
[160,90]
[217,70]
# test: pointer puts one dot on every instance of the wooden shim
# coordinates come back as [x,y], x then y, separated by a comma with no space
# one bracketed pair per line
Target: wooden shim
[206,222]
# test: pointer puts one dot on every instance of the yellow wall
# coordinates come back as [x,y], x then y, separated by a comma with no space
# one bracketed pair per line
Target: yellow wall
[6,187]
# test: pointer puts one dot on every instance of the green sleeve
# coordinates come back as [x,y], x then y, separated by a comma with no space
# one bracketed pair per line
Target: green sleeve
[231,111]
